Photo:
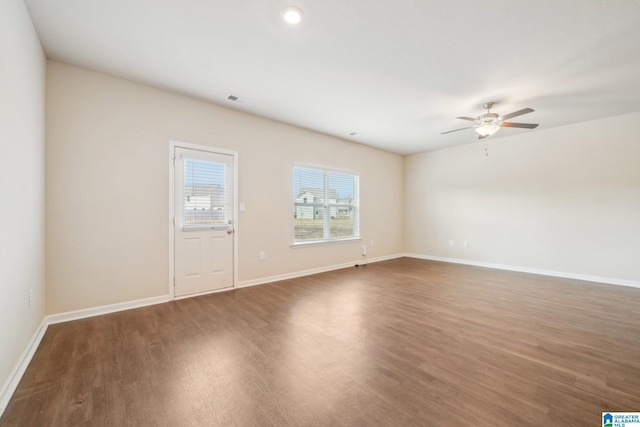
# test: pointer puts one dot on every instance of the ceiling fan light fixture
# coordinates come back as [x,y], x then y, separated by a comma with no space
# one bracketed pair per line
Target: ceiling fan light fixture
[488,123]
[487,129]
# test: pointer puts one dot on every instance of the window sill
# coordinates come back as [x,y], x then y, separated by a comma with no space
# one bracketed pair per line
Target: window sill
[325,242]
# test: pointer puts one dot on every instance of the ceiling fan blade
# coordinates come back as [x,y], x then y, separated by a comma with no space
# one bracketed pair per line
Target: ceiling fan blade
[517,113]
[520,125]
[467,118]
[456,130]
[482,136]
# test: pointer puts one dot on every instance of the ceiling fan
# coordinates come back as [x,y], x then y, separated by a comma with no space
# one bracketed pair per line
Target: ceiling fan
[488,123]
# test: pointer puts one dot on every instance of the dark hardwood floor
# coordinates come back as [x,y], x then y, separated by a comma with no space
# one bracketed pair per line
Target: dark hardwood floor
[404,342]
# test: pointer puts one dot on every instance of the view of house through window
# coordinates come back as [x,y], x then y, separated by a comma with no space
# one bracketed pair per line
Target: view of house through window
[325,205]
[203,193]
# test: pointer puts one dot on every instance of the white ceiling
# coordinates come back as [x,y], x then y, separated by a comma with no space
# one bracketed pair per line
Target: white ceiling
[397,71]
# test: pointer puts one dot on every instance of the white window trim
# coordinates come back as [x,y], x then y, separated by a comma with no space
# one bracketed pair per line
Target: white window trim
[326,241]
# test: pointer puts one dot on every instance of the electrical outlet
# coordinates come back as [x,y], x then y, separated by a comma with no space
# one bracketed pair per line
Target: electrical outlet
[263,256]
[450,242]
[364,250]
[465,244]
[372,243]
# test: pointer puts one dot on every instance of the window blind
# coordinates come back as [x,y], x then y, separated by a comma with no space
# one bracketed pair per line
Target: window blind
[204,198]
[325,205]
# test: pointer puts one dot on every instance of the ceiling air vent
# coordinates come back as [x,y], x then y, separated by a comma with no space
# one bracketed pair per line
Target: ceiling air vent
[237,99]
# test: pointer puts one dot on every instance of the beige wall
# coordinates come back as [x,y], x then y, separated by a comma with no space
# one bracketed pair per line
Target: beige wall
[565,199]
[107,188]
[22,75]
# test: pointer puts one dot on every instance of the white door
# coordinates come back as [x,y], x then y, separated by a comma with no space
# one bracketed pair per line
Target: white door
[203,209]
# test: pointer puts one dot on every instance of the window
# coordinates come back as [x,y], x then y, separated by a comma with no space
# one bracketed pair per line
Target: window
[204,193]
[325,205]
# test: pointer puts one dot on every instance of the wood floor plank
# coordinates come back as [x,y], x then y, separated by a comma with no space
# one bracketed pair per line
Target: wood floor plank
[403,342]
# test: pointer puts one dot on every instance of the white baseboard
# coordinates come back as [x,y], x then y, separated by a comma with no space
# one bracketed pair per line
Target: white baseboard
[586,277]
[10,385]
[104,309]
[279,277]
[112,308]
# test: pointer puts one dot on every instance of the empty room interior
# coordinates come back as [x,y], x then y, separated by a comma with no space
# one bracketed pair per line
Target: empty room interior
[247,213]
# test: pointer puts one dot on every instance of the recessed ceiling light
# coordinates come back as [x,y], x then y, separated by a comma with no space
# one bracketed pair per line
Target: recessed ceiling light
[292,15]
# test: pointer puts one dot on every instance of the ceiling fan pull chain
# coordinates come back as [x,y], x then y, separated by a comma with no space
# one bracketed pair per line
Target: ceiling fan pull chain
[486,148]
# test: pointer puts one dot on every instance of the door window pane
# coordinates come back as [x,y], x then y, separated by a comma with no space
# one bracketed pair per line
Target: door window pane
[204,192]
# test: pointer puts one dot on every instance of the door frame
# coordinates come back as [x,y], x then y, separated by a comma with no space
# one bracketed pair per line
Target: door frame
[172,226]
